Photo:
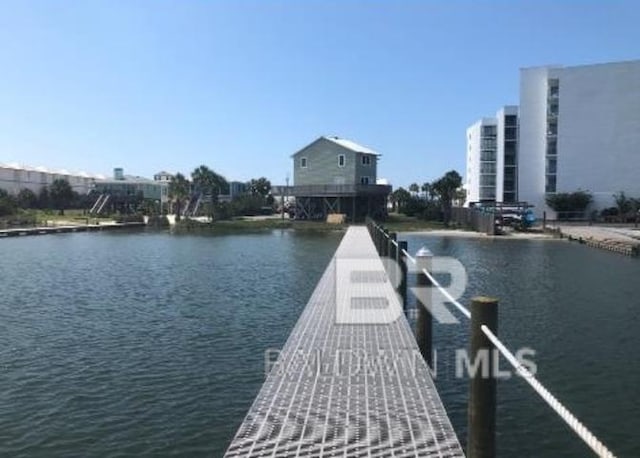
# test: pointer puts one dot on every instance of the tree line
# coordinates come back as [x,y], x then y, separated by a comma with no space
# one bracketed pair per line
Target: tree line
[573,205]
[57,196]
[210,184]
[436,200]
[60,196]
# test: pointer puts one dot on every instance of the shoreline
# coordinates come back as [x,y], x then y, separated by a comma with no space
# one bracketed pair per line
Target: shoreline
[478,235]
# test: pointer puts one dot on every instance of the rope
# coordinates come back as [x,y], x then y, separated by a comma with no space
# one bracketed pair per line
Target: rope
[411,258]
[444,292]
[564,413]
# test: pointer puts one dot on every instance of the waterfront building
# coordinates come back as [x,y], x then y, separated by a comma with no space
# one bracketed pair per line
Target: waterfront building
[125,186]
[577,128]
[492,148]
[14,177]
[336,175]
[163,176]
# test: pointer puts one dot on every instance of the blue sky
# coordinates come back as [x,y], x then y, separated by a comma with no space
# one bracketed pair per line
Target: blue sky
[241,85]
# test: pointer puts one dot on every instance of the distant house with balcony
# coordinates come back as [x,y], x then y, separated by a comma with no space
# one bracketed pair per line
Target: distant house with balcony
[336,175]
[118,192]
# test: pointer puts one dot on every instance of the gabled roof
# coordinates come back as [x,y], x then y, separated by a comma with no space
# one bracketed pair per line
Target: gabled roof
[345,143]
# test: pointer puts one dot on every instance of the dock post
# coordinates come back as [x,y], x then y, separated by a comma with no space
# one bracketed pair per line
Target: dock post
[482,387]
[424,321]
[392,253]
[400,259]
[391,246]
[385,242]
[544,220]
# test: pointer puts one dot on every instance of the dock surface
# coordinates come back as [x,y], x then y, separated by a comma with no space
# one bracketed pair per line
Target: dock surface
[350,380]
[44,230]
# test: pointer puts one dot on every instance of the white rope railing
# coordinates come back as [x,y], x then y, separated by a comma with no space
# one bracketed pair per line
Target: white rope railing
[442,290]
[581,430]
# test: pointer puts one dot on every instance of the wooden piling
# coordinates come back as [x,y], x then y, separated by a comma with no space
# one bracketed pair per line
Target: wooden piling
[391,247]
[385,242]
[402,262]
[424,320]
[393,272]
[482,388]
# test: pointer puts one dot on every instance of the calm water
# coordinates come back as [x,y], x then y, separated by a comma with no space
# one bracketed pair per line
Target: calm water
[148,344]
[579,308]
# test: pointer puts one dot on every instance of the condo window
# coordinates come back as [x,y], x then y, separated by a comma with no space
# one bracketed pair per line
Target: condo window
[303,162]
[364,180]
[509,159]
[550,183]
[488,143]
[487,167]
[509,197]
[489,131]
[510,133]
[509,175]
[366,160]
[487,155]
[487,193]
[487,180]
[341,160]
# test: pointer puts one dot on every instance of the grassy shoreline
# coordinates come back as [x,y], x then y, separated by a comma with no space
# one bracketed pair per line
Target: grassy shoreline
[243,225]
[395,224]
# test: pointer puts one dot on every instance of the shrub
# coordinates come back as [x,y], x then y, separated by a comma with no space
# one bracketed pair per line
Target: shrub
[569,204]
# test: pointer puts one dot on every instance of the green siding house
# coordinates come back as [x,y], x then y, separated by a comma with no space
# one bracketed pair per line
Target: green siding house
[336,175]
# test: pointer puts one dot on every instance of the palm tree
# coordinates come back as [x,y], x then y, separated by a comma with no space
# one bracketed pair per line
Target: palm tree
[178,191]
[427,188]
[400,197]
[62,194]
[209,182]
[446,188]
[414,188]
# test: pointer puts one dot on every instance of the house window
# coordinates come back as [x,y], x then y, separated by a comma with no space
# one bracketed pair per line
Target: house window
[303,162]
[341,160]
[366,160]
[364,180]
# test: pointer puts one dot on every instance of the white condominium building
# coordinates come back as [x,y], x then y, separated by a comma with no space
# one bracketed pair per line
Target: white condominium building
[578,129]
[14,177]
[492,148]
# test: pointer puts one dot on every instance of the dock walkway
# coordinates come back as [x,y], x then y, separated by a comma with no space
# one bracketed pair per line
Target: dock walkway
[350,380]
[43,230]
